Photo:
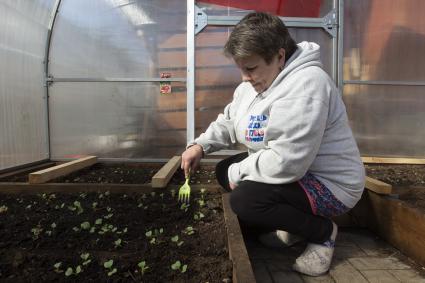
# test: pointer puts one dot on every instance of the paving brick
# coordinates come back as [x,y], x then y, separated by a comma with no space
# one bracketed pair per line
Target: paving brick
[343,271]
[345,252]
[261,273]
[379,276]
[371,263]
[408,275]
[286,277]
[319,279]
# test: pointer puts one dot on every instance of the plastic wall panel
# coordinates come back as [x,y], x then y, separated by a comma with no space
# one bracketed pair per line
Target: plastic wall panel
[116,120]
[217,76]
[23,124]
[387,120]
[118,38]
[384,40]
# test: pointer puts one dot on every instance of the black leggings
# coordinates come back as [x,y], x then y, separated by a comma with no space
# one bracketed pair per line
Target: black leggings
[274,207]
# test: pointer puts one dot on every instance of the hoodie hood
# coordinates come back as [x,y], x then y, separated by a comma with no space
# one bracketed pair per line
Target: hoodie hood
[306,55]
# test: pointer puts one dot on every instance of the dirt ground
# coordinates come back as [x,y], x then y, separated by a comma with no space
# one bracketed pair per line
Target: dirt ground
[103,237]
[409,181]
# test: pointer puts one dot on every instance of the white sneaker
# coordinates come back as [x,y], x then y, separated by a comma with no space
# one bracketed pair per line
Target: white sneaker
[317,258]
[279,239]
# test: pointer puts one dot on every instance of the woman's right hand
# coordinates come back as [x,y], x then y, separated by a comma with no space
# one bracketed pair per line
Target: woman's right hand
[191,158]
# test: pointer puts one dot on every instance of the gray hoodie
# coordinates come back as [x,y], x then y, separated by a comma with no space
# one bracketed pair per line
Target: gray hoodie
[298,124]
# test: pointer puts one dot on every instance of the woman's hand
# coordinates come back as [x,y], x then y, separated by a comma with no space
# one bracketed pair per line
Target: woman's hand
[232,186]
[191,158]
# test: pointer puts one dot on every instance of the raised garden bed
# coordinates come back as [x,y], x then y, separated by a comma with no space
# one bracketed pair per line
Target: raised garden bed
[399,218]
[46,226]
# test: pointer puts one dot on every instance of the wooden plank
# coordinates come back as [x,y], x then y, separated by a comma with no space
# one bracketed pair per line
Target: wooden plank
[163,176]
[398,223]
[378,186]
[390,160]
[242,269]
[27,169]
[61,170]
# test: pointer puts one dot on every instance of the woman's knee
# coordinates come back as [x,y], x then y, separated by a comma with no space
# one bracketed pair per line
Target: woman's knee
[242,201]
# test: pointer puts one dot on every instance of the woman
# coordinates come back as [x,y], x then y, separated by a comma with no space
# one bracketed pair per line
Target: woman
[303,165]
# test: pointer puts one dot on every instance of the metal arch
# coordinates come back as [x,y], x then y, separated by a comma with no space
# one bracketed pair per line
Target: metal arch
[50,26]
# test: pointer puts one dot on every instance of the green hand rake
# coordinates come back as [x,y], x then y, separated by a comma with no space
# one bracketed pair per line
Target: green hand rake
[184,191]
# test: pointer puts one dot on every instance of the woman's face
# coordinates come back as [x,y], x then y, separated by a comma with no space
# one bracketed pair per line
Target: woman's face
[255,70]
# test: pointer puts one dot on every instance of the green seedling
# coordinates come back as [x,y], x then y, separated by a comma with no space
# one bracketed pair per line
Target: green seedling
[117,243]
[107,193]
[86,258]
[184,206]
[109,267]
[94,205]
[83,195]
[76,229]
[36,231]
[153,194]
[100,196]
[78,269]
[48,233]
[76,207]
[28,207]
[69,271]
[3,209]
[108,216]
[173,193]
[140,205]
[198,215]
[85,225]
[175,239]
[154,235]
[57,267]
[201,203]
[143,267]
[108,209]
[98,221]
[179,266]
[92,230]
[53,225]
[188,230]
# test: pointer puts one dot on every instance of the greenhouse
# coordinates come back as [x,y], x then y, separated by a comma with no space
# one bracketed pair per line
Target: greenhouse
[212,141]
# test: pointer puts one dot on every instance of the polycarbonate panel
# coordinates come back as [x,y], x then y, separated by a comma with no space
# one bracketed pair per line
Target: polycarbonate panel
[23,123]
[117,120]
[119,38]
[287,8]
[217,76]
[387,120]
[384,40]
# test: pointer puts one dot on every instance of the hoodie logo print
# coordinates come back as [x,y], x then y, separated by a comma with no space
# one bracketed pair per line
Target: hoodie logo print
[255,129]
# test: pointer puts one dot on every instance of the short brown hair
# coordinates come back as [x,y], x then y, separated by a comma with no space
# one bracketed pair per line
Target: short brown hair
[261,34]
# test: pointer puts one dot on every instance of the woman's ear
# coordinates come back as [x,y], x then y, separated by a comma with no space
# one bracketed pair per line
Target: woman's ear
[281,56]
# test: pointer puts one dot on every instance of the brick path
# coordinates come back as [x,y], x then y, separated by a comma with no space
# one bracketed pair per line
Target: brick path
[359,257]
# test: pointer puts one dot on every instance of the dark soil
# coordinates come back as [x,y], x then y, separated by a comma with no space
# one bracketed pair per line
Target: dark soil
[103,173]
[408,180]
[38,231]
[112,173]
[397,175]
[204,175]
